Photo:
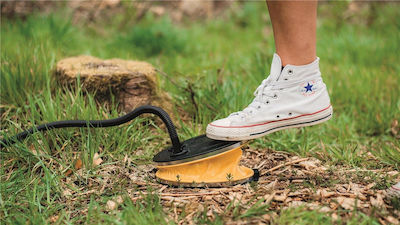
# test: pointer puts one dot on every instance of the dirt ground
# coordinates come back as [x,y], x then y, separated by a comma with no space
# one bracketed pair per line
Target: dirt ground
[285,181]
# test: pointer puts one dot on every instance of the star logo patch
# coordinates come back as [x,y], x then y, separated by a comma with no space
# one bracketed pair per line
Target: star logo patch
[308,88]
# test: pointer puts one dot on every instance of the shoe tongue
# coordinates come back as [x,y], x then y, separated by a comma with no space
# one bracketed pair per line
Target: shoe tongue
[275,72]
[276,67]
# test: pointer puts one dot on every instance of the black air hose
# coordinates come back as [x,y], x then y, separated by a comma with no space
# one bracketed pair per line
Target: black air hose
[176,144]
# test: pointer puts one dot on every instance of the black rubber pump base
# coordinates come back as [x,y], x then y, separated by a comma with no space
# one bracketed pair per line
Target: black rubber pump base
[199,159]
[195,148]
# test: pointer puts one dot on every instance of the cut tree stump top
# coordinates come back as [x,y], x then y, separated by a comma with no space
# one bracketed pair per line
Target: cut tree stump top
[134,83]
[97,74]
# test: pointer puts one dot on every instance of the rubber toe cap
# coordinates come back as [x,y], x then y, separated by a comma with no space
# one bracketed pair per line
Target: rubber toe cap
[221,123]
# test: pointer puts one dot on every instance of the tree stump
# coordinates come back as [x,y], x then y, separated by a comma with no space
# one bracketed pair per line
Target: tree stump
[134,83]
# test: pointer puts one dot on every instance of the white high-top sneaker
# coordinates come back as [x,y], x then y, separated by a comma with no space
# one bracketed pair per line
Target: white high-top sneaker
[294,96]
[394,191]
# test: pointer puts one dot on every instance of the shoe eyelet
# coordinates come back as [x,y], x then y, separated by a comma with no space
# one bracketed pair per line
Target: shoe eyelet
[275,95]
[259,107]
[290,114]
[290,72]
[286,79]
[267,102]
[277,116]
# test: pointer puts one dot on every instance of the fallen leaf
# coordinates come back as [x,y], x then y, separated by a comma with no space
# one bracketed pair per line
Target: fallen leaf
[97,159]
[68,172]
[78,164]
[111,205]
[54,219]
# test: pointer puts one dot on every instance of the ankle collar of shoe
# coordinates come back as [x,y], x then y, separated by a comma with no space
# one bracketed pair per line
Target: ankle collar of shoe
[283,84]
[292,72]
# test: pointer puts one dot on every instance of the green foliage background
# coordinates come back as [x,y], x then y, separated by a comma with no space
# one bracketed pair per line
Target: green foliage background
[221,61]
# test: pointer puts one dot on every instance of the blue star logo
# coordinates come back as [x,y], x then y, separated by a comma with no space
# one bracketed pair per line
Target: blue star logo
[308,87]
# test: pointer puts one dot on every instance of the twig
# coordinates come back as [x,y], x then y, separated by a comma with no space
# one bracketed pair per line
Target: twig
[177,194]
[189,194]
[187,218]
[192,95]
[283,165]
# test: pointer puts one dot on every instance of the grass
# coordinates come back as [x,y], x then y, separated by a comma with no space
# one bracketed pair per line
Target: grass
[222,61]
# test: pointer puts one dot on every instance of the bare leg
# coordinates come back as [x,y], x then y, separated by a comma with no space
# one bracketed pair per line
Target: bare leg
[294,24]
[292,96]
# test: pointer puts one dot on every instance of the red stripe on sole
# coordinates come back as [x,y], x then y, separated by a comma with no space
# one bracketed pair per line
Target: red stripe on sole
[395,188]
[272,121]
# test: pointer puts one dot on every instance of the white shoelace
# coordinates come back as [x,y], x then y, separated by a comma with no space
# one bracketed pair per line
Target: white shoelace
[262,95]
[266,91]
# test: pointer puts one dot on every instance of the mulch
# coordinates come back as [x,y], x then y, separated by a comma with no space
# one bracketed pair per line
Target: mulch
[286,181]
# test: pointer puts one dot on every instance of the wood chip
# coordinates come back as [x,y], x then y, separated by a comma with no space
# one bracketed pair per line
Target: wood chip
[378,201]
[392,220]
[325,194]
[346,203]
[119,199]
[281,198]
[268,198]
[309,164]
[67,192]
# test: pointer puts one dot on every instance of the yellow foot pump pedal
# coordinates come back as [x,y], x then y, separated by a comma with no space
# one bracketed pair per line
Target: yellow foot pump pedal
[199,161]
[203,162]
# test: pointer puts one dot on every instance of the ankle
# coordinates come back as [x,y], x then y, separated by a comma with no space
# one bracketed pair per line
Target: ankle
[297,57]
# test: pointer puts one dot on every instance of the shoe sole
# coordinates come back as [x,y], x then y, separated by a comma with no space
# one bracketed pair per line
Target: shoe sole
[252,132]
[393,192]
